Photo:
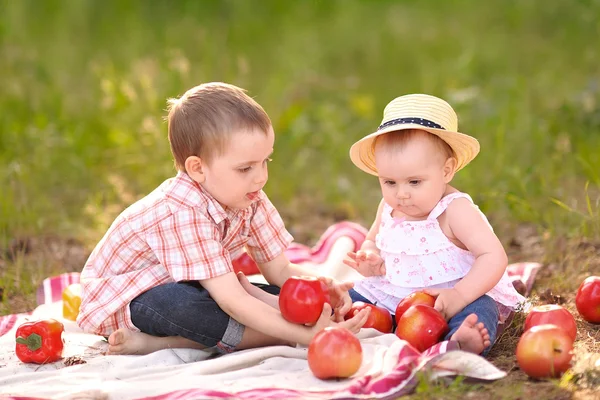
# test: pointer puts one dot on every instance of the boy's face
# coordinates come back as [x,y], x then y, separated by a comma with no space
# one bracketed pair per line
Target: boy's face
[413,180]
[235,177]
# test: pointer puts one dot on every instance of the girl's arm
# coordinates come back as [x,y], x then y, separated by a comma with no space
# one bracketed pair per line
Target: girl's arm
[369,243]
[367,260]
[471,229]
[251,312]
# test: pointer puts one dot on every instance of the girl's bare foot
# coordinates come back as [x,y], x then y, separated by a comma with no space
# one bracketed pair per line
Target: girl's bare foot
[472,336]
[124,341]
[258,293]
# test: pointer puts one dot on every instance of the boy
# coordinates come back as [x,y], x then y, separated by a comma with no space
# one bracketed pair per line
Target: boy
[161,277]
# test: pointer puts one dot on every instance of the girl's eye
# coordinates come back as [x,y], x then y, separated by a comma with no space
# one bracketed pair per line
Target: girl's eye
[389,183]
[414,182]
[244,170]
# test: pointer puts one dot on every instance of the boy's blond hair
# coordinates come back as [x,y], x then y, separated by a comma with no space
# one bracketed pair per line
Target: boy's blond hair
[202,120]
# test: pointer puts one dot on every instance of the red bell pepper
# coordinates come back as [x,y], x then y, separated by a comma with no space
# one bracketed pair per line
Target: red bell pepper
[40,342]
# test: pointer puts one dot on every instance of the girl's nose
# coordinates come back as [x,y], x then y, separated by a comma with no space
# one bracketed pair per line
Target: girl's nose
[402,194]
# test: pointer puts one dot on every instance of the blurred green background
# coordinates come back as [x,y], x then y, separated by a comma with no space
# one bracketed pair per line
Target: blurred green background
[83,89]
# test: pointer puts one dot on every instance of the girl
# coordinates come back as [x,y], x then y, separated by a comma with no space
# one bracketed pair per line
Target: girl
[427,235]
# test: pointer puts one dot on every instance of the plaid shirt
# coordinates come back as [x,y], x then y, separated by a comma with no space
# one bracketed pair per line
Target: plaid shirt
[178,232]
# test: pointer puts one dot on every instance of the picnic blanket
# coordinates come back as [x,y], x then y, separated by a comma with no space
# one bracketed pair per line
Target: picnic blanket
[390,367]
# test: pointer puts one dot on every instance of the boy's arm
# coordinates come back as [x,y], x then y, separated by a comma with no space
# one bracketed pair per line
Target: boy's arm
[253,313]
[247,310]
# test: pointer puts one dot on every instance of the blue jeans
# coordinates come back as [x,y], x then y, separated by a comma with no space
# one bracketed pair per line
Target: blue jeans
[186,309]
[484,307]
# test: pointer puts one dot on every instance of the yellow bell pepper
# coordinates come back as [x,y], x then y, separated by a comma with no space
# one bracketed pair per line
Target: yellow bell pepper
[71,298]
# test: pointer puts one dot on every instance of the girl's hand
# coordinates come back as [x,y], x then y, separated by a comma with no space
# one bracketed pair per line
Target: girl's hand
[449,301]
[338,294]
[353,324]
[367,263]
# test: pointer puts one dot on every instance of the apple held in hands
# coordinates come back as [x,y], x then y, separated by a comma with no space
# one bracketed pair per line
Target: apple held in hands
[587,299]
[411,300]
[545,351]
[334,352]
[301,299]
[379,318]
[422,326]
[551,314]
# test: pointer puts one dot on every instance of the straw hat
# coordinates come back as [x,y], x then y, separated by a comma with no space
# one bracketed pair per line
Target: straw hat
[417,111]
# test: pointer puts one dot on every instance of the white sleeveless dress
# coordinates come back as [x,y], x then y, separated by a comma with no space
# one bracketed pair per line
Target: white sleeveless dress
[418,255]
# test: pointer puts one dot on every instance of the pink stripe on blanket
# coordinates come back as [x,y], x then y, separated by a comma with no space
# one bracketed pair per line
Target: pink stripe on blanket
[525,272]
[51,289]
[7,322]
[3,397]
[266,393]
[299,253]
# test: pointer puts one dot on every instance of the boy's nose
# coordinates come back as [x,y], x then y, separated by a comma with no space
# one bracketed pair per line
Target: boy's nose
[263,175]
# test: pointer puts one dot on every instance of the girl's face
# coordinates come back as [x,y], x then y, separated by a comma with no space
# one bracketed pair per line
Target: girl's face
[413,179]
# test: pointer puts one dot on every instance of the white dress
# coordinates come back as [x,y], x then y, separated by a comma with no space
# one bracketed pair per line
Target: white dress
[418,255]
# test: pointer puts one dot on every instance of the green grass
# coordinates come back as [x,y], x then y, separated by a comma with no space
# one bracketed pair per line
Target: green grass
[84,88]
[84,85]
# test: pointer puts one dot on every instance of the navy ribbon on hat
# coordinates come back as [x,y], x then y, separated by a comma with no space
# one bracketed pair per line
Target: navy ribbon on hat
[418,121]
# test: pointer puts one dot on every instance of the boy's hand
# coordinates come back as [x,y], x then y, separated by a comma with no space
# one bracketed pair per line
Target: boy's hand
[353,324]
[367,263]
[339,296]
[449,301]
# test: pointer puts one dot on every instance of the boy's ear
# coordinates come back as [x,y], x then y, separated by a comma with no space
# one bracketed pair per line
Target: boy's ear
[194,168]
[449,169]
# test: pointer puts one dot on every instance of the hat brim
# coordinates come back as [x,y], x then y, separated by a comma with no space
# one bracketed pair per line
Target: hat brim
[465,147]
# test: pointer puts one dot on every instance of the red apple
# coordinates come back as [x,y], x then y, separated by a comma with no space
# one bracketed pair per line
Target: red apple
[334,352]
[245,264]
[412,299]
[422,326]
[545,351]
[301,299]
[551,314]
[587,299]
[379,318]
